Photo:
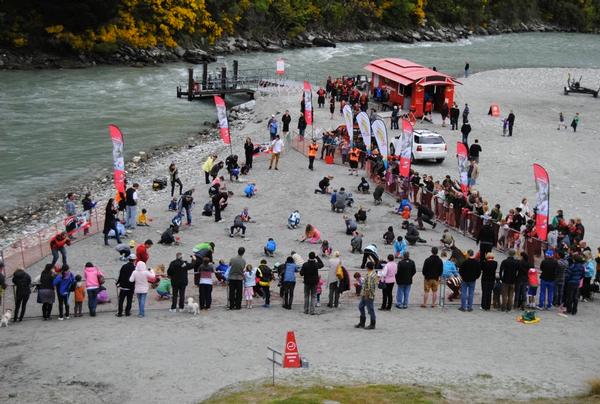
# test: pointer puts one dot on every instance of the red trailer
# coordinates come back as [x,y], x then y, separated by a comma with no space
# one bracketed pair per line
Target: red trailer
[411,85]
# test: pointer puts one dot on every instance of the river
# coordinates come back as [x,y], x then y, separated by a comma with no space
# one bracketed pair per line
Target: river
[53,123]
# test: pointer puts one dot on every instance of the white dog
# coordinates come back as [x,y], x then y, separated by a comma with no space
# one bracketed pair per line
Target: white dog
[5,318]
[192,307]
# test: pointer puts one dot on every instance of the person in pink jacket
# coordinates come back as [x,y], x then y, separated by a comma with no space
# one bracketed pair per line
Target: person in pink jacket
[93,279]
[388,277]
[142,277]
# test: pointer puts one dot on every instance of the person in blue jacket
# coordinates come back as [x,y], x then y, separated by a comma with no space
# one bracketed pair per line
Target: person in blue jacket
[250,190]
[400,246]
[289,282]
[270,247]
[63,283]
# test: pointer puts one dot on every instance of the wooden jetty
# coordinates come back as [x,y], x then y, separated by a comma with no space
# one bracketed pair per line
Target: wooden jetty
[246,82]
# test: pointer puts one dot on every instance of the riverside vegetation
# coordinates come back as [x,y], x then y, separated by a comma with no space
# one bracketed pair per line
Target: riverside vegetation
[103,27]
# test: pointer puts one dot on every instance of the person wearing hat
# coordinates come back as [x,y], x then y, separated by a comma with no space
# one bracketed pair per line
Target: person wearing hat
[548,271]
[488,279]
[126,287]
[367,298]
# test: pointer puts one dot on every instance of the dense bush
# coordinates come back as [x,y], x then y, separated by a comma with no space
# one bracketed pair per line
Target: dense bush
[103,24]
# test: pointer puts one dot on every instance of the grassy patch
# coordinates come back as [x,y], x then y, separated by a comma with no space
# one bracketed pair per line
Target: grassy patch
[376,393]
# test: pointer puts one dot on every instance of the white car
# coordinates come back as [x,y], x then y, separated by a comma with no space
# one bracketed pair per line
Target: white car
[428,145]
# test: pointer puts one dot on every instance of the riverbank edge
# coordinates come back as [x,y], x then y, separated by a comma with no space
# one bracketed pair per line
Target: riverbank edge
[47,208]
[196,52]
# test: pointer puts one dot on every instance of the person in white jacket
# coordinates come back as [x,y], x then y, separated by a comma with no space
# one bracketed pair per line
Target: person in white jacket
[333,281]
[141,276]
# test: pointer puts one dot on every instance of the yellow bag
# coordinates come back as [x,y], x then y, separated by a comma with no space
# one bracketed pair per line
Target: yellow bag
[339,273]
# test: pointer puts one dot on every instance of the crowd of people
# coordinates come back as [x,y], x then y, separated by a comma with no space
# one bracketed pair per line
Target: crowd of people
[566,274]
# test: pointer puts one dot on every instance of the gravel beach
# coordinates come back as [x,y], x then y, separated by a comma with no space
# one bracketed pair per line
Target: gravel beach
[478,356]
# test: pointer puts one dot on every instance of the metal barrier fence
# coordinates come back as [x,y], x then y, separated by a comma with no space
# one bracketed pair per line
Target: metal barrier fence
[35,247]
[461,220]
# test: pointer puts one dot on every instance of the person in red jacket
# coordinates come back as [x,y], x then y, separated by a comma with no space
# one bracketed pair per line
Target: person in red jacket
[57,244]
[141,252]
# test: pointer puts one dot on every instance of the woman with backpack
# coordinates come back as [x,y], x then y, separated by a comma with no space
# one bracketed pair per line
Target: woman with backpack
[93,279]
[63,284]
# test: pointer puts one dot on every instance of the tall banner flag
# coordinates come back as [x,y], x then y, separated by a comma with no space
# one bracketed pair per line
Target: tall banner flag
[380,133]
[405,147]
[347,112]
[280,67]
[118,160]
[364,125]
[222,116]
[463,167]
[542,184]
[308,103]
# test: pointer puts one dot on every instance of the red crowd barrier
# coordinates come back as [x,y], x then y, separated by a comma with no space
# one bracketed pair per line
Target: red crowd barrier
[35,247]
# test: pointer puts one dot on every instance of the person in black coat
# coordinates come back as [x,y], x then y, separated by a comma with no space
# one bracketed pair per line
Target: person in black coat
[511,122]
[178,273]
[522,281]
[469,271]
[424,214]
[126,287]
[454,115]
[404,278]
[488,279]
[486,238]
[508,275]
[378,193]
[22,282]
[433,267]
[249,152]
[301,125]
[110,221]
[465,129]
[310,272]
[285,120]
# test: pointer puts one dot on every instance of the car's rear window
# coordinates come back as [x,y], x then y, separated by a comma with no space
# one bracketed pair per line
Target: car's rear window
[429,139]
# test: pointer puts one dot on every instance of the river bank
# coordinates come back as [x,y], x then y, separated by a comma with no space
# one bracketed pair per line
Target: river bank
[196,51]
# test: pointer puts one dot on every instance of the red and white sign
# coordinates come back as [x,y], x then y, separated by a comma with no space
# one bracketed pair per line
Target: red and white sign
[462,155]
[118,160]
[222,116]
[405,147]
[542,203]
[280,69]
[291,357]
[308,103]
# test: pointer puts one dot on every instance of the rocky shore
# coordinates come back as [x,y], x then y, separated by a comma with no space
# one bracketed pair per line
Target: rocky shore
[143,167]
[196,52]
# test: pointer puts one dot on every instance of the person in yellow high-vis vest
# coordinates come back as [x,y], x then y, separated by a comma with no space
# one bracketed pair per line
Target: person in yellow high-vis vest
[312,153]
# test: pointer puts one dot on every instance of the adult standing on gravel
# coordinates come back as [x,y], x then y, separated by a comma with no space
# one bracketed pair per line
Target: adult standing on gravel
[207,167]
[511,122]
[204,281]
[110,221]
[310,273]
[404,278]
[465,129]
[465,114]
[45,293]
[126,286]
[433,267]
[174,177]
[22,282]
[236,278]
[131,202]
[333,279]
[388,276]
[367,298]
[178,273]
[285,120]
[488,279]
[301,125]
[508,275]
[454,114]
[93,279]
[276,149]
[469,271]
[141,277]
[248,152]
[272,126]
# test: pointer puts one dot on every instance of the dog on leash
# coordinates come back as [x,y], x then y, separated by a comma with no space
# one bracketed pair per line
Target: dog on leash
[5,318]
[192,307]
